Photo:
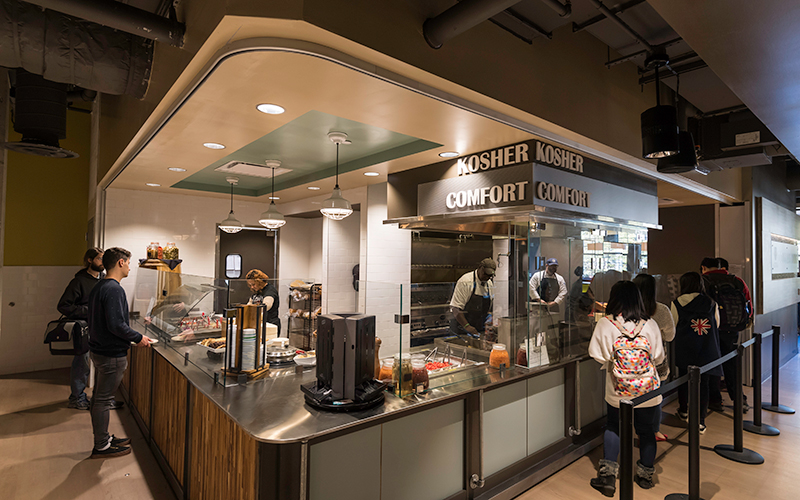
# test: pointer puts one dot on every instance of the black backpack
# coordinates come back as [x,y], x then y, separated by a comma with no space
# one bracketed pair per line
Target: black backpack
[728,293]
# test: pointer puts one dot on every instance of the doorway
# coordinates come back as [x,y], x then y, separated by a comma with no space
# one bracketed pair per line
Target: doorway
[258,250]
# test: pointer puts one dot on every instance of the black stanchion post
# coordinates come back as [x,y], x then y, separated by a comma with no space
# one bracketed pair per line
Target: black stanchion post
[737,452]
[694,439]
[756,426]
[775,406]
[626,450]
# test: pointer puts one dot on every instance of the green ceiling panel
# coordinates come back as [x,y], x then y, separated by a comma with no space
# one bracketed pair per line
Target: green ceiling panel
[302,145]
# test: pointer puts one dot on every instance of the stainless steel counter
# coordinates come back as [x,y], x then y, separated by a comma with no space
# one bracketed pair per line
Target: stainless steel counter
[273,409]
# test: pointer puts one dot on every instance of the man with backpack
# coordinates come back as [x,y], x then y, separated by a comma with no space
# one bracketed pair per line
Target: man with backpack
[736,311]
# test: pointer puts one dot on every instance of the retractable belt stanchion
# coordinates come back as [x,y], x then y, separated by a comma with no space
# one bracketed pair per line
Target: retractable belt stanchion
[756,426]
[737,452]
[775,406]
[626,450]
[694,439]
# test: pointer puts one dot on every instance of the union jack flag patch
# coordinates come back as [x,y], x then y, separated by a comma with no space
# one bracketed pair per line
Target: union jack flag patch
[701,326]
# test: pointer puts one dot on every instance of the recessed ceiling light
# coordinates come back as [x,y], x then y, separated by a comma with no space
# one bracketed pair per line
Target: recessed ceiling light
[177,169]
[316,202]
[214,145]
[371,174]
[152,184]
[449,154]
[274,197]
[270,109]
[313,188]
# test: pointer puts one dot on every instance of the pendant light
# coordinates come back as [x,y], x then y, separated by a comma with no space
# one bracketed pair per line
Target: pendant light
[231,225]
[336,207]
[659,123]
[272,219]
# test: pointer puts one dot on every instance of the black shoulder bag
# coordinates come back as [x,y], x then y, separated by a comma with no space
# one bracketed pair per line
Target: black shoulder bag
[67,337]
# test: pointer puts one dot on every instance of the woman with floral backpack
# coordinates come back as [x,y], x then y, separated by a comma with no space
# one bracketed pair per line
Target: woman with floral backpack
[696,339]
[628,344]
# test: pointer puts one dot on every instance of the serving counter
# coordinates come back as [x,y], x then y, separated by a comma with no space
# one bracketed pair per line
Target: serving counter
[491,435]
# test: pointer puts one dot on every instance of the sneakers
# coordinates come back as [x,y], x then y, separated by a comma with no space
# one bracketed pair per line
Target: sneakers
[702,428]
[78,404]
[111,452]
[683,415]
[606,479]
[716,407]
[115,441]
[118,405]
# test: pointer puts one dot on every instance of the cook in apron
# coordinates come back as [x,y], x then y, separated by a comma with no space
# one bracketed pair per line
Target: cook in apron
[476,310]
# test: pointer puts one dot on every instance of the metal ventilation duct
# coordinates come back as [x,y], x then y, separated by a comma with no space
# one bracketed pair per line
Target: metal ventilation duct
[40,115]
[68,50]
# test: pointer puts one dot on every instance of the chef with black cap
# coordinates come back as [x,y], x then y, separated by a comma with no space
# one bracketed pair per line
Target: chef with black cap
[547,287]
[472,299]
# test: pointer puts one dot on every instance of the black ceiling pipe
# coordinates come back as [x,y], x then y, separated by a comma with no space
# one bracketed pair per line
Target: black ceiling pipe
[121,17]
[622,24]
[563,9]
[461,17]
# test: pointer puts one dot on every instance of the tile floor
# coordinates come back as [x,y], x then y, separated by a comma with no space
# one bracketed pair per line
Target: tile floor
[45,447]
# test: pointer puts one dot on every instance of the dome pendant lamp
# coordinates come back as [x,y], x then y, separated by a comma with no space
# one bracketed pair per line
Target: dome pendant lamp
[272,219]
[336,207]
[231,225]
[659,123]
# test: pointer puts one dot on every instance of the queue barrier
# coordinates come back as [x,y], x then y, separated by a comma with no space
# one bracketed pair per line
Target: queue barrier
[756,426]
[775,406]
[735,452]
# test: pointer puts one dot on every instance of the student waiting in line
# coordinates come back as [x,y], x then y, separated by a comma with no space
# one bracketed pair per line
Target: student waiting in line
[696,339]
[629,346]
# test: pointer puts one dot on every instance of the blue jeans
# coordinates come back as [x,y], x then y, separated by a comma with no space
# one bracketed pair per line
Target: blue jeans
[109,373]
[645,422]
[79,376]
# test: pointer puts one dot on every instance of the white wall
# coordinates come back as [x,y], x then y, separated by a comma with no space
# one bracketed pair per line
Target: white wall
[385,266]
[34,291]
[341,241]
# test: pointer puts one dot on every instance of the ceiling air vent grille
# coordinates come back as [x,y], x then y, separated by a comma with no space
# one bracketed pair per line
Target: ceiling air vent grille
[250,169]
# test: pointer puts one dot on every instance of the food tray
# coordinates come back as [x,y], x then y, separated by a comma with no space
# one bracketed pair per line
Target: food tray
[218,350]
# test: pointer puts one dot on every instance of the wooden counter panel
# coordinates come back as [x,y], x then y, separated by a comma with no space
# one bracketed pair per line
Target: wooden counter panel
[223,463]
[169,414]
[126,377]
[140,380]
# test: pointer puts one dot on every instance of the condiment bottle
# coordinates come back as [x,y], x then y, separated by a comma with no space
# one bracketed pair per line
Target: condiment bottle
[402,374]
[522,355]
[499,356]
[160,252]
[385,370]
[419,374]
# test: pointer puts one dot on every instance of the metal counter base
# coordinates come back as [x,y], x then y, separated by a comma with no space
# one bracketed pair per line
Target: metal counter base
[485,437]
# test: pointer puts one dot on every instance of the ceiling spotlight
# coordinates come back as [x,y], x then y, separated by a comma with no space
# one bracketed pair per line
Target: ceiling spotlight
[371,174]
[659,123]
[152,184]
[214,145]
[336,207]
[313,188]
[272,219]
[177,169]
[270,109]
[684,161]
[231,225]
[449,154]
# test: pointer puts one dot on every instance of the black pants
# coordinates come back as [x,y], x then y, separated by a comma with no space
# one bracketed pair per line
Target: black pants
[683,394]
[727,343]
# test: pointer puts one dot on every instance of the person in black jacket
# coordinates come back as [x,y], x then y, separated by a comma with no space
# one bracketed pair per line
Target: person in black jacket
[110,337]
[74,304]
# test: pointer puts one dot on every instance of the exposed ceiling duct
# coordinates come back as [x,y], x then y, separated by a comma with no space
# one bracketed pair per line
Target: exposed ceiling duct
[40,115]
[67,50]
[121,17]
[467,14]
